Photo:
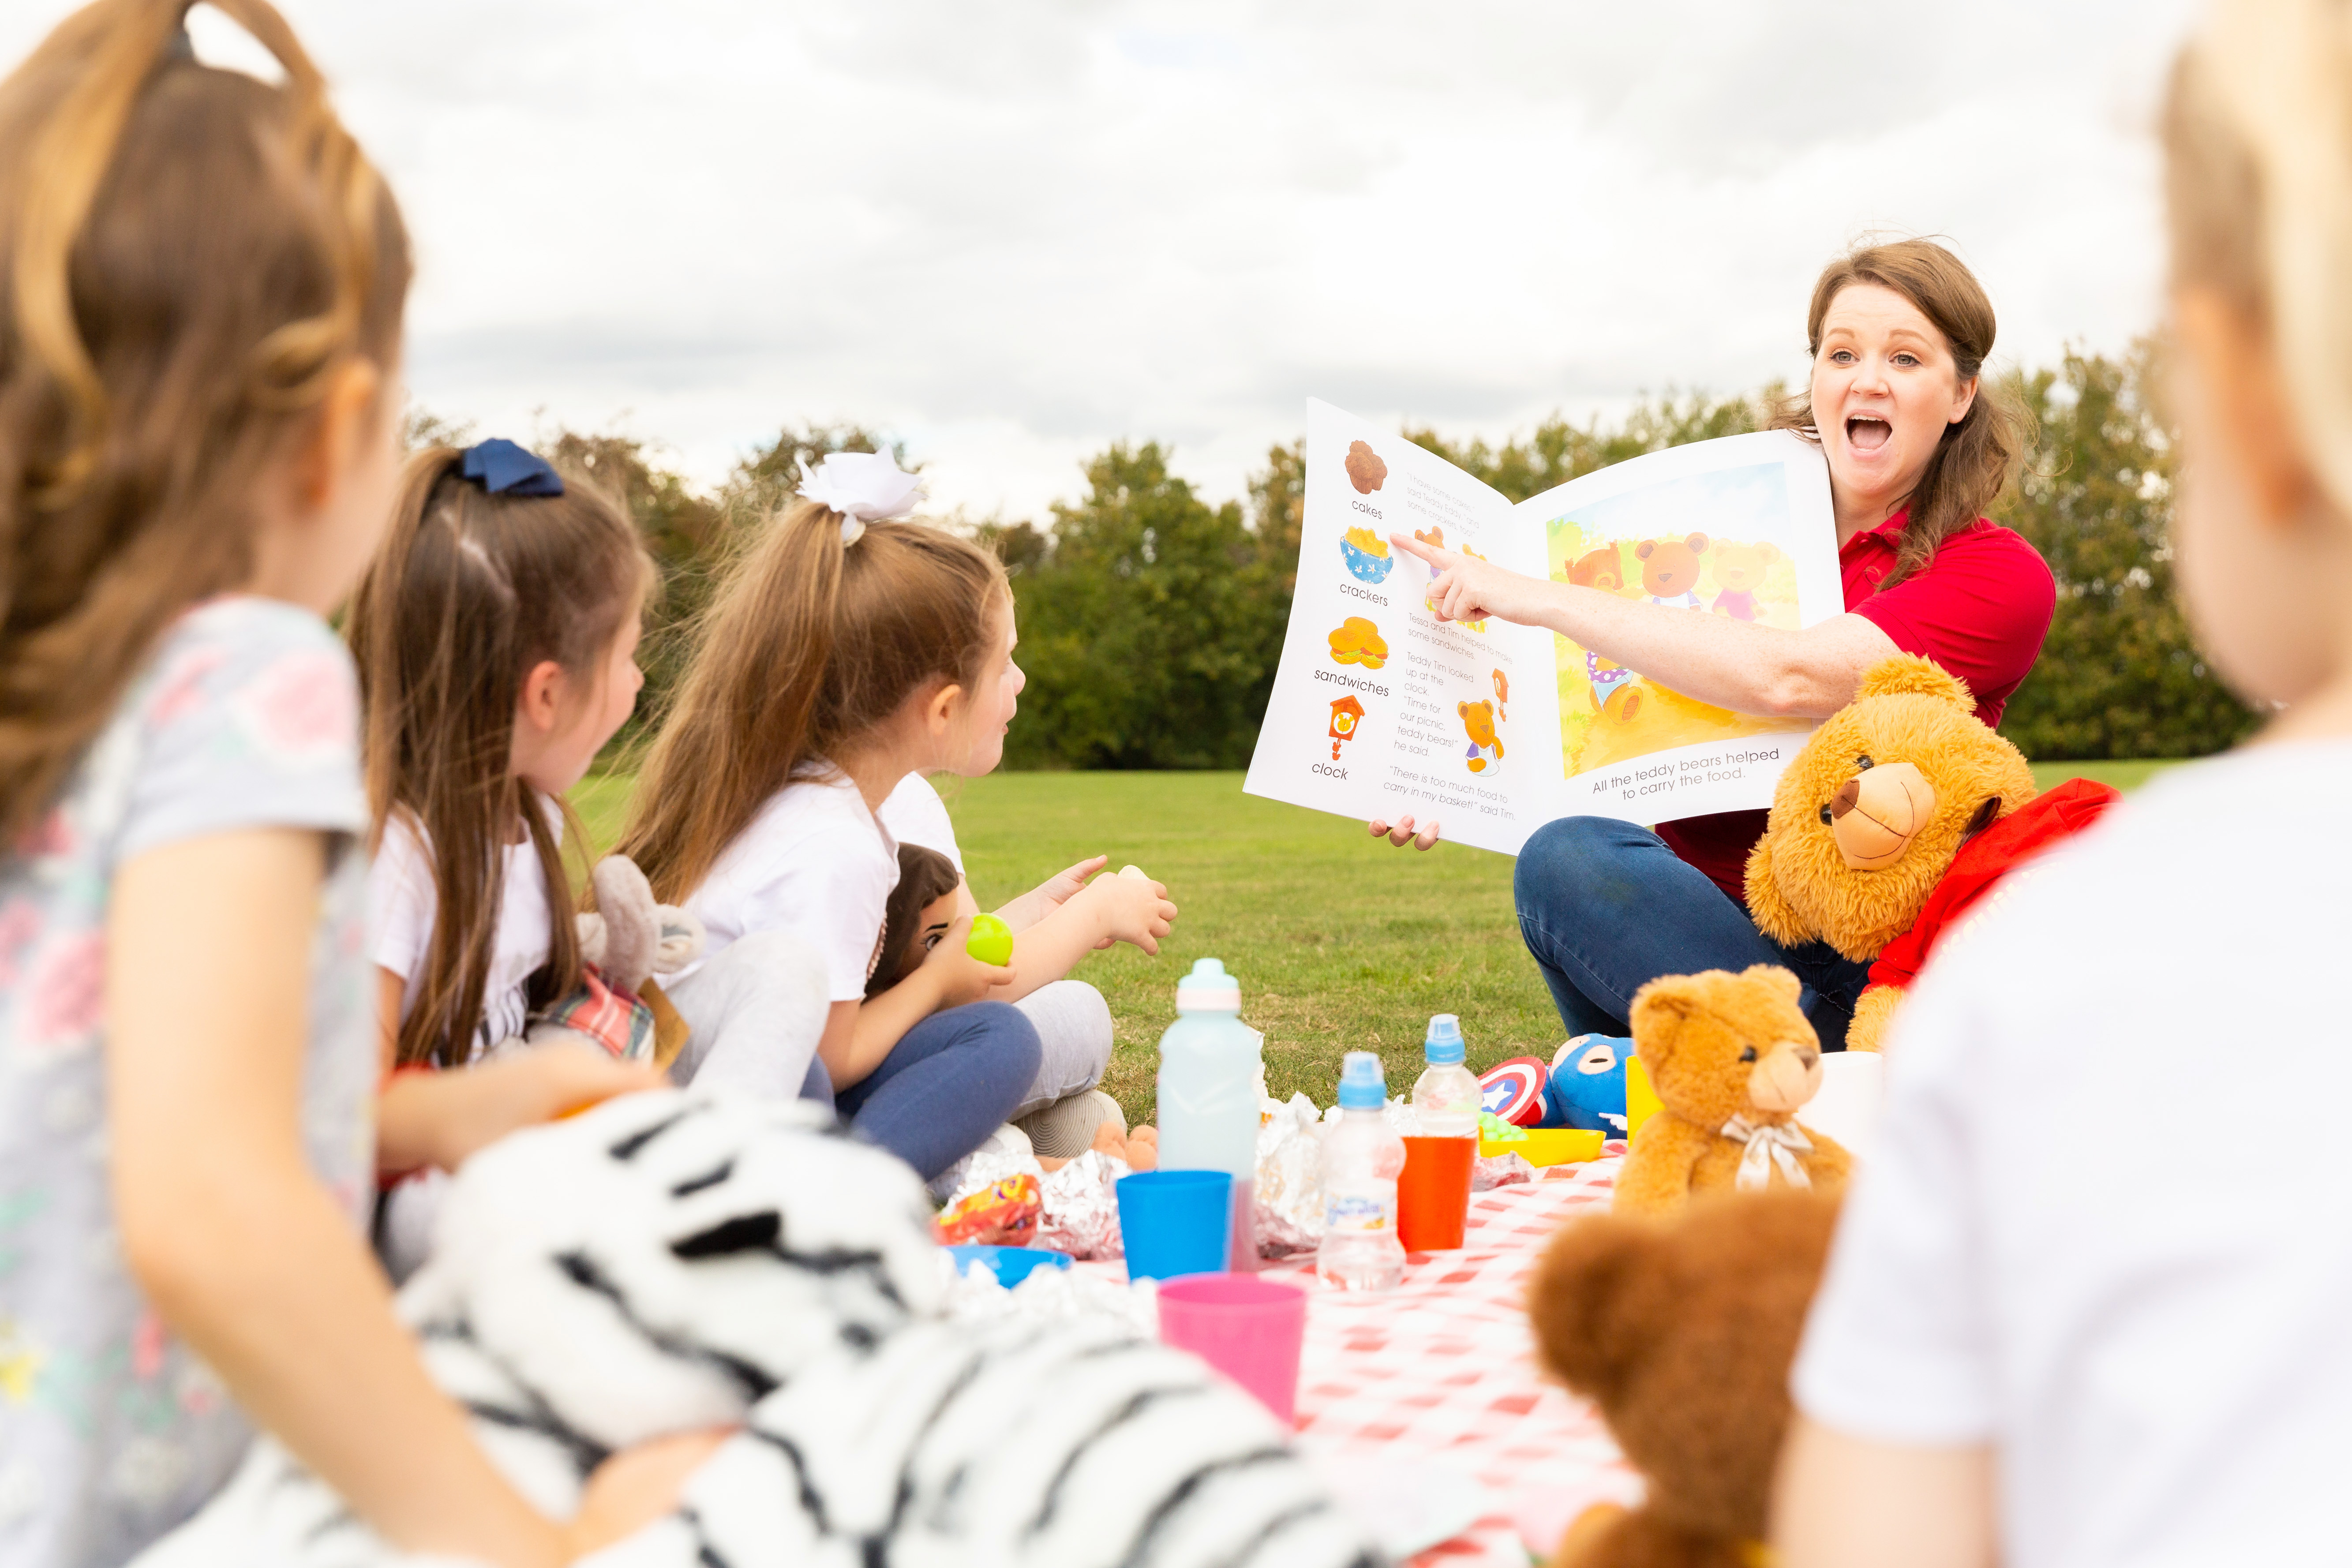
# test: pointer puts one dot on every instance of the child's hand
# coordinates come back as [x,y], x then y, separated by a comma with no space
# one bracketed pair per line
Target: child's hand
[1050,894]
[1062,885]
[635,1488]
[960,977]
[442,1118]
[1131,908]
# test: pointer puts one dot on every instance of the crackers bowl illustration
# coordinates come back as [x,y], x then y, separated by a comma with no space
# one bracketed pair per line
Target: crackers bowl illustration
[1367,555]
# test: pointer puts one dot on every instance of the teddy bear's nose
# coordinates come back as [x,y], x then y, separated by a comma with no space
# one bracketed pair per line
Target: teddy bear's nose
[1846,799]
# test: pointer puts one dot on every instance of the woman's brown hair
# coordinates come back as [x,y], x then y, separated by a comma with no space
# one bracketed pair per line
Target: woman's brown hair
[467,594]
[807,645]
[189,257]
[1978,453]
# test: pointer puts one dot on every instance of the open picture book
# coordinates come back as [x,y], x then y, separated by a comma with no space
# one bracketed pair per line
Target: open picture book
[1380,708]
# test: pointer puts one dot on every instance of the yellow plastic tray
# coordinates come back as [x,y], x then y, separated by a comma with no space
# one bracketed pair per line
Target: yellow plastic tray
[1549,1146]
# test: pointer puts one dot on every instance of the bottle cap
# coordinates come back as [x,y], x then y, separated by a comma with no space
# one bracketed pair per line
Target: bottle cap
[1209,989]
[1363,1083]
[1443,1042]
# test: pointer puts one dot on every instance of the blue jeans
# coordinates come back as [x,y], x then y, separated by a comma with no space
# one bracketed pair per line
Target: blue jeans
[1606,908]
[949,1081]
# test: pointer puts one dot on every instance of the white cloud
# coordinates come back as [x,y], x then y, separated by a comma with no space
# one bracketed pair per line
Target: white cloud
[1012,233]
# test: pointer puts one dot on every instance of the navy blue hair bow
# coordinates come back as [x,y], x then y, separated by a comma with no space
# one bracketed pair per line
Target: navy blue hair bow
[503,469]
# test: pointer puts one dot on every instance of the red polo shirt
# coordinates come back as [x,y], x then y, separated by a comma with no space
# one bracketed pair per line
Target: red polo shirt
[1981,609]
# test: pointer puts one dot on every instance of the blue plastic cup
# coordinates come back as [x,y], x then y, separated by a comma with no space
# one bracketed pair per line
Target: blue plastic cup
[1175,1222]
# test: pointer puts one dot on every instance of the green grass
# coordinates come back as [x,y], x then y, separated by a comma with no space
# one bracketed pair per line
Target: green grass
[1341,943]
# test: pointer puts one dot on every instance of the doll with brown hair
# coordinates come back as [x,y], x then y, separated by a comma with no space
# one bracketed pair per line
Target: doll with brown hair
[921,910]
[203,281]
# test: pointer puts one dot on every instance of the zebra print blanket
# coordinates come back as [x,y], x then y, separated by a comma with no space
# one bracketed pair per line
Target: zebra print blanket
[679,1260]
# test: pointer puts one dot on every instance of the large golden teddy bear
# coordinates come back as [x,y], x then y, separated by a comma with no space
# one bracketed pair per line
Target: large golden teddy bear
[1896,825]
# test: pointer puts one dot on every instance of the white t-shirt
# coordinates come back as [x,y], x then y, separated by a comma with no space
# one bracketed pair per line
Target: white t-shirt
[2108,1228]
[813,862]
[401,904]
[914,814]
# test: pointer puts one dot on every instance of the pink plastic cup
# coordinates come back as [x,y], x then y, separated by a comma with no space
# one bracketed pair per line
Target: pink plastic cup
[1248,1328]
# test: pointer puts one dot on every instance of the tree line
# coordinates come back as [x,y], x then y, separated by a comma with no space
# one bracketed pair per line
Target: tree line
[1151,619]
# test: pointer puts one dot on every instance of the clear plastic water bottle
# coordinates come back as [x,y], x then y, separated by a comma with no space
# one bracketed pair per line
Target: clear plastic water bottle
[1362,1157]
[1210,1066]
[1445,1099]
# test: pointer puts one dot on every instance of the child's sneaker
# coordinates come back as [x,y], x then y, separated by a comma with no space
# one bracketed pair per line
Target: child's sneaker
[1065,1128]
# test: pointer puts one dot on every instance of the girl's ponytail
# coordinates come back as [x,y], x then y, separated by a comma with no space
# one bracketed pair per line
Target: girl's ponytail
[809,642]
[187,257]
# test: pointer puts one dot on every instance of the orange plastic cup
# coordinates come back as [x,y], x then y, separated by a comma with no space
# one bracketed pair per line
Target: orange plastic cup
[1434,1193]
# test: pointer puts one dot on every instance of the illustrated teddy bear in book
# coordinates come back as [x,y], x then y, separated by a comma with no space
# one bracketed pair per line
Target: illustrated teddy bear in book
[1896,825]
[681,1260]
[1738,570]
[1732,1059]
[1485,743]
[1670,569]
[1683,1333]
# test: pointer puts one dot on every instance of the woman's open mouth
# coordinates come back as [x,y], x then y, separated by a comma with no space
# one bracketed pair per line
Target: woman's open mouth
[1867,432]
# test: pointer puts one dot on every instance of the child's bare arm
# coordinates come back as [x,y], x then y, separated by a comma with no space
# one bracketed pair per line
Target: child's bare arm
[1844,1502]
[1048,896]
[1124,908]
[858,1034]
[441,1118]
[231,1235]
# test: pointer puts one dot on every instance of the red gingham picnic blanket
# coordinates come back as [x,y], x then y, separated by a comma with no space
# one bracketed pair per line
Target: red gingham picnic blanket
[1443,1366]
[1442,1369]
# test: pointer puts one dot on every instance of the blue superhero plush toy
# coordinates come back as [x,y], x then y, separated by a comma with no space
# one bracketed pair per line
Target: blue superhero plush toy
[1587,1088]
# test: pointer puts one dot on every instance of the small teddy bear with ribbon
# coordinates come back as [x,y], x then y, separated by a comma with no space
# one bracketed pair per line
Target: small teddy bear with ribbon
[625,942]
[1732,1060]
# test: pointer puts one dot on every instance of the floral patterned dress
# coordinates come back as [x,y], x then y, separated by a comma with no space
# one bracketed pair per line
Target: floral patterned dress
[110,1430]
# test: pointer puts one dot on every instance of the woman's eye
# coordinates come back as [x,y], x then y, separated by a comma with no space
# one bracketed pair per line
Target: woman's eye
[1840,356]
[1907,359]
[1748,1054]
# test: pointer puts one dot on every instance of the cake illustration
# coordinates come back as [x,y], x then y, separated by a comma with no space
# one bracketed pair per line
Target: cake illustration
[1365,469]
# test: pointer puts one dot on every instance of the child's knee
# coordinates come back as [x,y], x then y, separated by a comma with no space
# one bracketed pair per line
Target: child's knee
[1009,1040]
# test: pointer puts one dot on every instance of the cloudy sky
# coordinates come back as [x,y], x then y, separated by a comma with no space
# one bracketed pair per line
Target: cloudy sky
[1010,232]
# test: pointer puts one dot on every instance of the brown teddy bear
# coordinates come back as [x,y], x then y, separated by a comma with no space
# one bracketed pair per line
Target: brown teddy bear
[1739,569]
[1894,822]
[1670,569]
[1732,1059]
[1683,1333]
[1603,569]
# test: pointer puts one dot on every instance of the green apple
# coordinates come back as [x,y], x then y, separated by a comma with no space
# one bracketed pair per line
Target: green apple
[991,941]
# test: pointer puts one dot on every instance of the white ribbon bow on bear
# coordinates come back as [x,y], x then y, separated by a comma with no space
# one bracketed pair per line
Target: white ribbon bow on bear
[863,486]
[1770,1144]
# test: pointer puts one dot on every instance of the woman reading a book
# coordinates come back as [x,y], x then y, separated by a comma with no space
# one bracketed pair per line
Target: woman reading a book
[1917,449]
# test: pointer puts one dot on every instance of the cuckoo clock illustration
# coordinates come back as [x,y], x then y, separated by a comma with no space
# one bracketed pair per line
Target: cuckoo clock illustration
[1345,714]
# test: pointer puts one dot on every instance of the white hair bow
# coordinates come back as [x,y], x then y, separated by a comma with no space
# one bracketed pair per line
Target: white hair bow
[1769,1144]
[863,486]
